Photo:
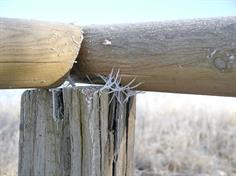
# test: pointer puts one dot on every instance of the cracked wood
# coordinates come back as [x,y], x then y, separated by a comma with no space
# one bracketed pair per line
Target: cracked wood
[93,138]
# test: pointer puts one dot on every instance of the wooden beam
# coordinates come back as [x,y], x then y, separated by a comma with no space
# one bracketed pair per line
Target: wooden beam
[94,136]
[192,56]
[36,54]
[188,56]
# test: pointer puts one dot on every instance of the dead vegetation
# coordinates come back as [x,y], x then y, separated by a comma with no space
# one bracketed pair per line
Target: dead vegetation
[9,132]
[185,135]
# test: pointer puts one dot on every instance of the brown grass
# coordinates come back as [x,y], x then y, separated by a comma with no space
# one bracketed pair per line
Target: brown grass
[185,135]
[9,131]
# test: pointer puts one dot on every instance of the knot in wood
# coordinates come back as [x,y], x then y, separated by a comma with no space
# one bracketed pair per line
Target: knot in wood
[220,63]
[223,60]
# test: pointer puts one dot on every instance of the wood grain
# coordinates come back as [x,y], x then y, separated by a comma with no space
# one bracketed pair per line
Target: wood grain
[94,138]
[36,54]
[188,56]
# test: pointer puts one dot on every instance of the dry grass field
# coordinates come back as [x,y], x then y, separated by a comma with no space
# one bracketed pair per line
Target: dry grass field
[176,135]
[9,131]
[185,135]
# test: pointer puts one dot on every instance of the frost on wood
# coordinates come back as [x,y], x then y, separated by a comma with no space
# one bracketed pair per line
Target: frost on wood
[112,83]
[93,138]
[106,42]
[176,56]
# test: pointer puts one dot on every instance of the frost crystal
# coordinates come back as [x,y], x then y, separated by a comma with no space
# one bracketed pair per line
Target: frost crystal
[106,42]
[113,84]
[232,58]
[213,53]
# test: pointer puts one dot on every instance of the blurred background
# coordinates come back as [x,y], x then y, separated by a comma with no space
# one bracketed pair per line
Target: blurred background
[180,135]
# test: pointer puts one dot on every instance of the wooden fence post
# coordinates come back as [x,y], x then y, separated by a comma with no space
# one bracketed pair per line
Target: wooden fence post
[95,137]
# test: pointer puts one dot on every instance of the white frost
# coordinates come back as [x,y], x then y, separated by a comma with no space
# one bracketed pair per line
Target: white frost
[213,53]
[106,42]
[232,57]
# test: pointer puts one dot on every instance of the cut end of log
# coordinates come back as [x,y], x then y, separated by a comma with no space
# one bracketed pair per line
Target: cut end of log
[36,54]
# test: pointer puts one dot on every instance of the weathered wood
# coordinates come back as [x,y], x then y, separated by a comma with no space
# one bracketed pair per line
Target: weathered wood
[36,54]
[93,139]
[192,56]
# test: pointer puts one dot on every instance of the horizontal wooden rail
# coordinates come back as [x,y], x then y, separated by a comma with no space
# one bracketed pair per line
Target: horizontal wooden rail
[191,56]
[188,56]
[36,54]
